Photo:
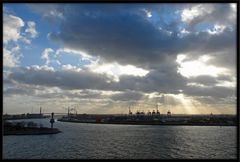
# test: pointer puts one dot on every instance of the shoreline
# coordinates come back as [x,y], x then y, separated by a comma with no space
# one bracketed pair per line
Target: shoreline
[30,131]
[145,123]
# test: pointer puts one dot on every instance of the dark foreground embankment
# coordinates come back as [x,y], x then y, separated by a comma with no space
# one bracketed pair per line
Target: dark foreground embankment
[31,131]
[15,130]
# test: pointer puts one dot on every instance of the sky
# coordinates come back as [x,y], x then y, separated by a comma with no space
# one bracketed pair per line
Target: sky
[107,58]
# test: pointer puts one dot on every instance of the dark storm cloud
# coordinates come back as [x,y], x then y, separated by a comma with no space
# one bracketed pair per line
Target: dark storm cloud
[132,87]
[215,91]
[228,58]
[211,81]
[122,33]
[204,79]
[215,100]
[127,96]
[46,92]
[124,38]
[7,81]
[63,79]
[155,80]
[85,94]
[207,43]
[163,79]
[225,78]
[18,91]
[129,38]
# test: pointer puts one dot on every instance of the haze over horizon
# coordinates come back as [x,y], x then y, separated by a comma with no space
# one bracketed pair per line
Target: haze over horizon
[103,58]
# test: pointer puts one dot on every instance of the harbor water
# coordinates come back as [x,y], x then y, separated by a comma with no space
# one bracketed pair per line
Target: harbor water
[108,141]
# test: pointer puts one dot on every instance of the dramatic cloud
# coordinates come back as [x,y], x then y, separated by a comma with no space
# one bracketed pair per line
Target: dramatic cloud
[117,38]
[64,79]
[190,68]
[115,70]
[73,78]
[106,57]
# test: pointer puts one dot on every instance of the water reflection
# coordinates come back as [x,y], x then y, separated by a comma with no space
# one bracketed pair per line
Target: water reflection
[79,140]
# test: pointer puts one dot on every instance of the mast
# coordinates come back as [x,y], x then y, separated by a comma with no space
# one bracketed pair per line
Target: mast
[129,111]
[68,111]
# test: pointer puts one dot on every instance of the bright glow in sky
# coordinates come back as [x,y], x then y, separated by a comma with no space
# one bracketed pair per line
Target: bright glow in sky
[198,67]
[117,70]
[106,57]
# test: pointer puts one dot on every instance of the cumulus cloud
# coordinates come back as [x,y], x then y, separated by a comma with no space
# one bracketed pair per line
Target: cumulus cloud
[13,36]
[12,28]
[132,51]
[162,79]
[209,13]
[73,52]
[197,67]
[115,70]
[69,67]
[189,14]
[31,29]
[45,55]
[8,59]
[50,12]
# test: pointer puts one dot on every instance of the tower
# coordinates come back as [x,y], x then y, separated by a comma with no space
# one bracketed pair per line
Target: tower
[40,110]
[52,120]
[149,113]
[158,112]
[153,113]
[169,113]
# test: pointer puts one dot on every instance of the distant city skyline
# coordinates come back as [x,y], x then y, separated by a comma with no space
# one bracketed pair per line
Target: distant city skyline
[103,58]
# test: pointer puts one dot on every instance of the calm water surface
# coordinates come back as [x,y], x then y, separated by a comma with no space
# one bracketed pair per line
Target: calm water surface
[96,141]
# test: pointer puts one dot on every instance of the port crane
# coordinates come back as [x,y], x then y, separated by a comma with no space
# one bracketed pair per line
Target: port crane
[74,110]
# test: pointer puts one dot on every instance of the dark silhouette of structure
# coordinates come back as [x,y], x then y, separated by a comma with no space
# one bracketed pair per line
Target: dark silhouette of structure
[52,120]
[169,113]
